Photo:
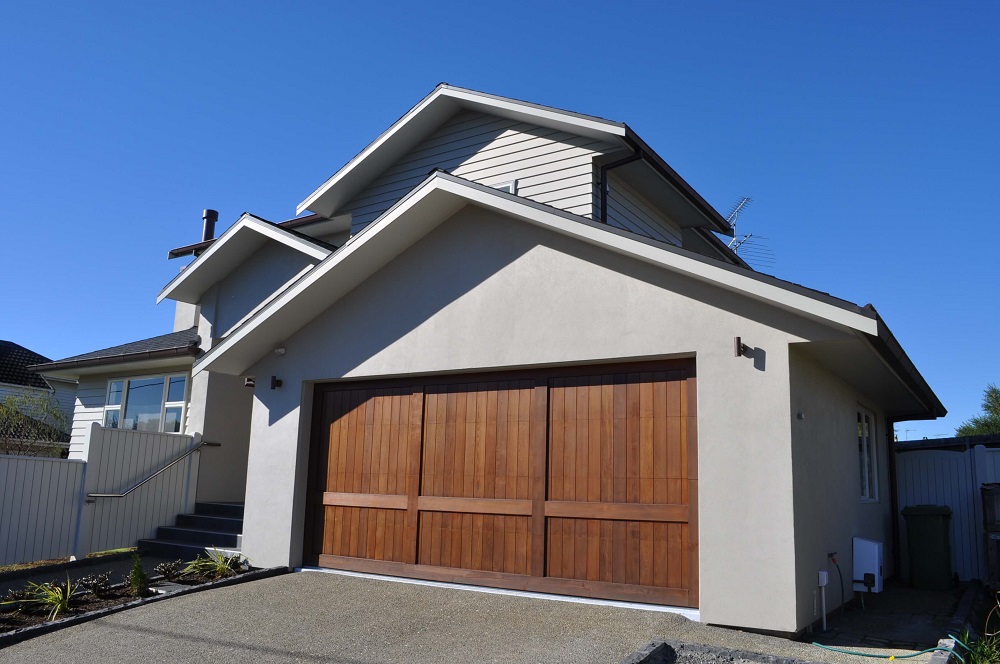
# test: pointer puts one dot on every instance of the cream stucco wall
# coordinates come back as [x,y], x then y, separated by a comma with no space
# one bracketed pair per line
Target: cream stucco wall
[485,292]
[829,511]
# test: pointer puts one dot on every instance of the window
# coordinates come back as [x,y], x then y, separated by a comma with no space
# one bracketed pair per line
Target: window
[154,403]
[510,186]
[867,455]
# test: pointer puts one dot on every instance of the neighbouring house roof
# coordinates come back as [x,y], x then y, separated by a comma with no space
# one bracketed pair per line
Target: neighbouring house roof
[442,194]
[14,362]
[231,249]
[690,209]
[176,347]
[964,442]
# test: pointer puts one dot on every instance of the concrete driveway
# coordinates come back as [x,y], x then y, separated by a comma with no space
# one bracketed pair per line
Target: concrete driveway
[317,617]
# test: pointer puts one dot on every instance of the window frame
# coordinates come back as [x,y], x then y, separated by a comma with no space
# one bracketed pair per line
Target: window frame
[122,406]
[868,455]
[510,186]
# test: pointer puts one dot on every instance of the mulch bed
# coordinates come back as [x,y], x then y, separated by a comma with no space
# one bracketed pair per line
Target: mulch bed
[18,625]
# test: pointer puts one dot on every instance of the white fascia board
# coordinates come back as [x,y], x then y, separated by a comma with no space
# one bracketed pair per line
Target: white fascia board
[217,252]
[484,103]
[444,195]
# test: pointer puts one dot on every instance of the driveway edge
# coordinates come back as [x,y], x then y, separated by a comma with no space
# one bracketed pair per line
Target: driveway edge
[25,633]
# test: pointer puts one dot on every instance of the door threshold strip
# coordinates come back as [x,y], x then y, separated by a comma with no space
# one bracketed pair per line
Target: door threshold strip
[690,614]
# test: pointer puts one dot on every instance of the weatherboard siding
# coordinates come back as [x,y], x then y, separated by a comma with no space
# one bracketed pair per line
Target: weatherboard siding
[550,166]
[629,211]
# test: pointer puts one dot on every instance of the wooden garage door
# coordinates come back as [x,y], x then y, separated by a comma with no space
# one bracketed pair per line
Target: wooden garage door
[578,482]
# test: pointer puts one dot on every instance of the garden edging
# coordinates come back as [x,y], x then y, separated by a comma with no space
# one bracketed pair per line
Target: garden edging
[24,633]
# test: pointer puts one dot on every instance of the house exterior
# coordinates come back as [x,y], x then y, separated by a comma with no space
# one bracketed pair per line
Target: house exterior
[27,393]
[507,348]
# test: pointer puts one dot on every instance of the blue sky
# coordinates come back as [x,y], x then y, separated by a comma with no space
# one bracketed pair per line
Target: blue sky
[866,134]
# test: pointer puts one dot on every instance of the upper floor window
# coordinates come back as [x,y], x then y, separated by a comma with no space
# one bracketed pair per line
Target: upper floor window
[867,455]
[510,186]
[154,403]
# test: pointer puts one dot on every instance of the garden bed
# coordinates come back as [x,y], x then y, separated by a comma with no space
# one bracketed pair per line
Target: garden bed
[17,626]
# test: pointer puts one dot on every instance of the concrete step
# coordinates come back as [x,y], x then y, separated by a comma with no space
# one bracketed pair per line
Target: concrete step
[231,510]
[194,536]
[173,550]
[216,523]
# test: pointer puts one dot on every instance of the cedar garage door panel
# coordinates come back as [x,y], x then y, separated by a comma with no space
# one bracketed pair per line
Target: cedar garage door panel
[573,484]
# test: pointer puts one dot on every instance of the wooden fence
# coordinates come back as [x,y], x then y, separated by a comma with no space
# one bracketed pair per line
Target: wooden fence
[47,512]
[952,476]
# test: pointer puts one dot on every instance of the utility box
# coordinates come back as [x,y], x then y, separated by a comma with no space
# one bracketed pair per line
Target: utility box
[867,560]
[928,534]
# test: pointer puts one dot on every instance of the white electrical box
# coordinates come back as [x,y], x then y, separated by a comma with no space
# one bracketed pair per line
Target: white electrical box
[867,560]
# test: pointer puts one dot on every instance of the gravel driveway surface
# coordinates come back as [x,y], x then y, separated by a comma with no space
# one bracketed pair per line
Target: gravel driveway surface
[316,617]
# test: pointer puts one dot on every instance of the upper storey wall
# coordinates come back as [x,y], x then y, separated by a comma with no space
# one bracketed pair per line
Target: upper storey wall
[551,167]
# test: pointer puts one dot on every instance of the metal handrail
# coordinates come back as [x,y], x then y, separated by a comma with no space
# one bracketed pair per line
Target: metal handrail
[161,470]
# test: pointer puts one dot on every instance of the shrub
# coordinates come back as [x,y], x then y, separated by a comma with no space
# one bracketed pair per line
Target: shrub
[170,570]
[137,581]
[98,584]
[53,597]
[216,565]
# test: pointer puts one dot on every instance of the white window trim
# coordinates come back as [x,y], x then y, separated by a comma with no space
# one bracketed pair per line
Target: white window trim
[868,456]
[164,404]
[510,186]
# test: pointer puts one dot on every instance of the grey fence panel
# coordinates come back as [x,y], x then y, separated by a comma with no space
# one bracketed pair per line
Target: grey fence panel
[119,459]
[949,477]
[40,507]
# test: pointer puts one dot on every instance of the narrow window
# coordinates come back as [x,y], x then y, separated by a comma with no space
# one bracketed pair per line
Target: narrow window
[510,186]
[867,455]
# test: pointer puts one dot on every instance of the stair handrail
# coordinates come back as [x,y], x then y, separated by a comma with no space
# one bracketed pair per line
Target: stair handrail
[191,451]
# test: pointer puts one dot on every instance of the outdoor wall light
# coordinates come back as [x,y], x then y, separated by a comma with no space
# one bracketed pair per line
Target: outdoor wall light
[741,348]
[280,350]
[275,382]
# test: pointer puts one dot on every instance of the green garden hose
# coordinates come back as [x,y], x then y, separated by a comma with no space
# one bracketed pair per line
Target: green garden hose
[891,657]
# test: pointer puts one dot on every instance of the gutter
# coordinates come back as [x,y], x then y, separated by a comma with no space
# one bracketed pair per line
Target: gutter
[191,350]
[886,345]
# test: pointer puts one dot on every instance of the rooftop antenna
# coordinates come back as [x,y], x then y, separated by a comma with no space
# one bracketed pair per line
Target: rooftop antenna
[734,217]
[754,251]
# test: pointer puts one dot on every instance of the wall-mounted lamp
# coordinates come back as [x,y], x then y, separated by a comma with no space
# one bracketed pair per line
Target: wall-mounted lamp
[741,348]
[800,415]
[275,382]
[248,381]
[280,350]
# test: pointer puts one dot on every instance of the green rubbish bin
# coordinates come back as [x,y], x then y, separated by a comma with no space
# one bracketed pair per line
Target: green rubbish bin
[928,534]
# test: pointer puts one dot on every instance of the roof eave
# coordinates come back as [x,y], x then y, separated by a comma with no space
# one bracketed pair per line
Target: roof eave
[63,368]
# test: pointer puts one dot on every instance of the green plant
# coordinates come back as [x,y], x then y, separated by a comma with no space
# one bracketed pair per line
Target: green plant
[170,570]
[99,584]
[137,581]
[986,649]
[54,596]
[216,565]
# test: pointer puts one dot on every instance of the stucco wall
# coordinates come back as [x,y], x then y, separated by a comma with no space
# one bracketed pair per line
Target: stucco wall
[226,303]
[485,292]
[829,511]
[220,409]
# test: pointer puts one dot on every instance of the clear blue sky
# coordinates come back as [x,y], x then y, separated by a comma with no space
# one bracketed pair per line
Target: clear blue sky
[866,133]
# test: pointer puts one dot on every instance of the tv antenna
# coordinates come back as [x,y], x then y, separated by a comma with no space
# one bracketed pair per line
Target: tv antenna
[749,247]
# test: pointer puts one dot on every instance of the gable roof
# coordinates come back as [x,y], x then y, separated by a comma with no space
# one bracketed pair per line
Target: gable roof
[442,194]
[14,362]
[232,248]
[175,346]
[445,100]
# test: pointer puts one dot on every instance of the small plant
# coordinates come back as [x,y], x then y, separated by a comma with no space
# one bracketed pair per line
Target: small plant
[98,584]
[170,570]
[216,565]
[15,598]
[137,581]
[54,596]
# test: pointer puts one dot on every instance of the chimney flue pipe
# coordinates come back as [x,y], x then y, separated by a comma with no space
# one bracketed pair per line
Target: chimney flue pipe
[209,217]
